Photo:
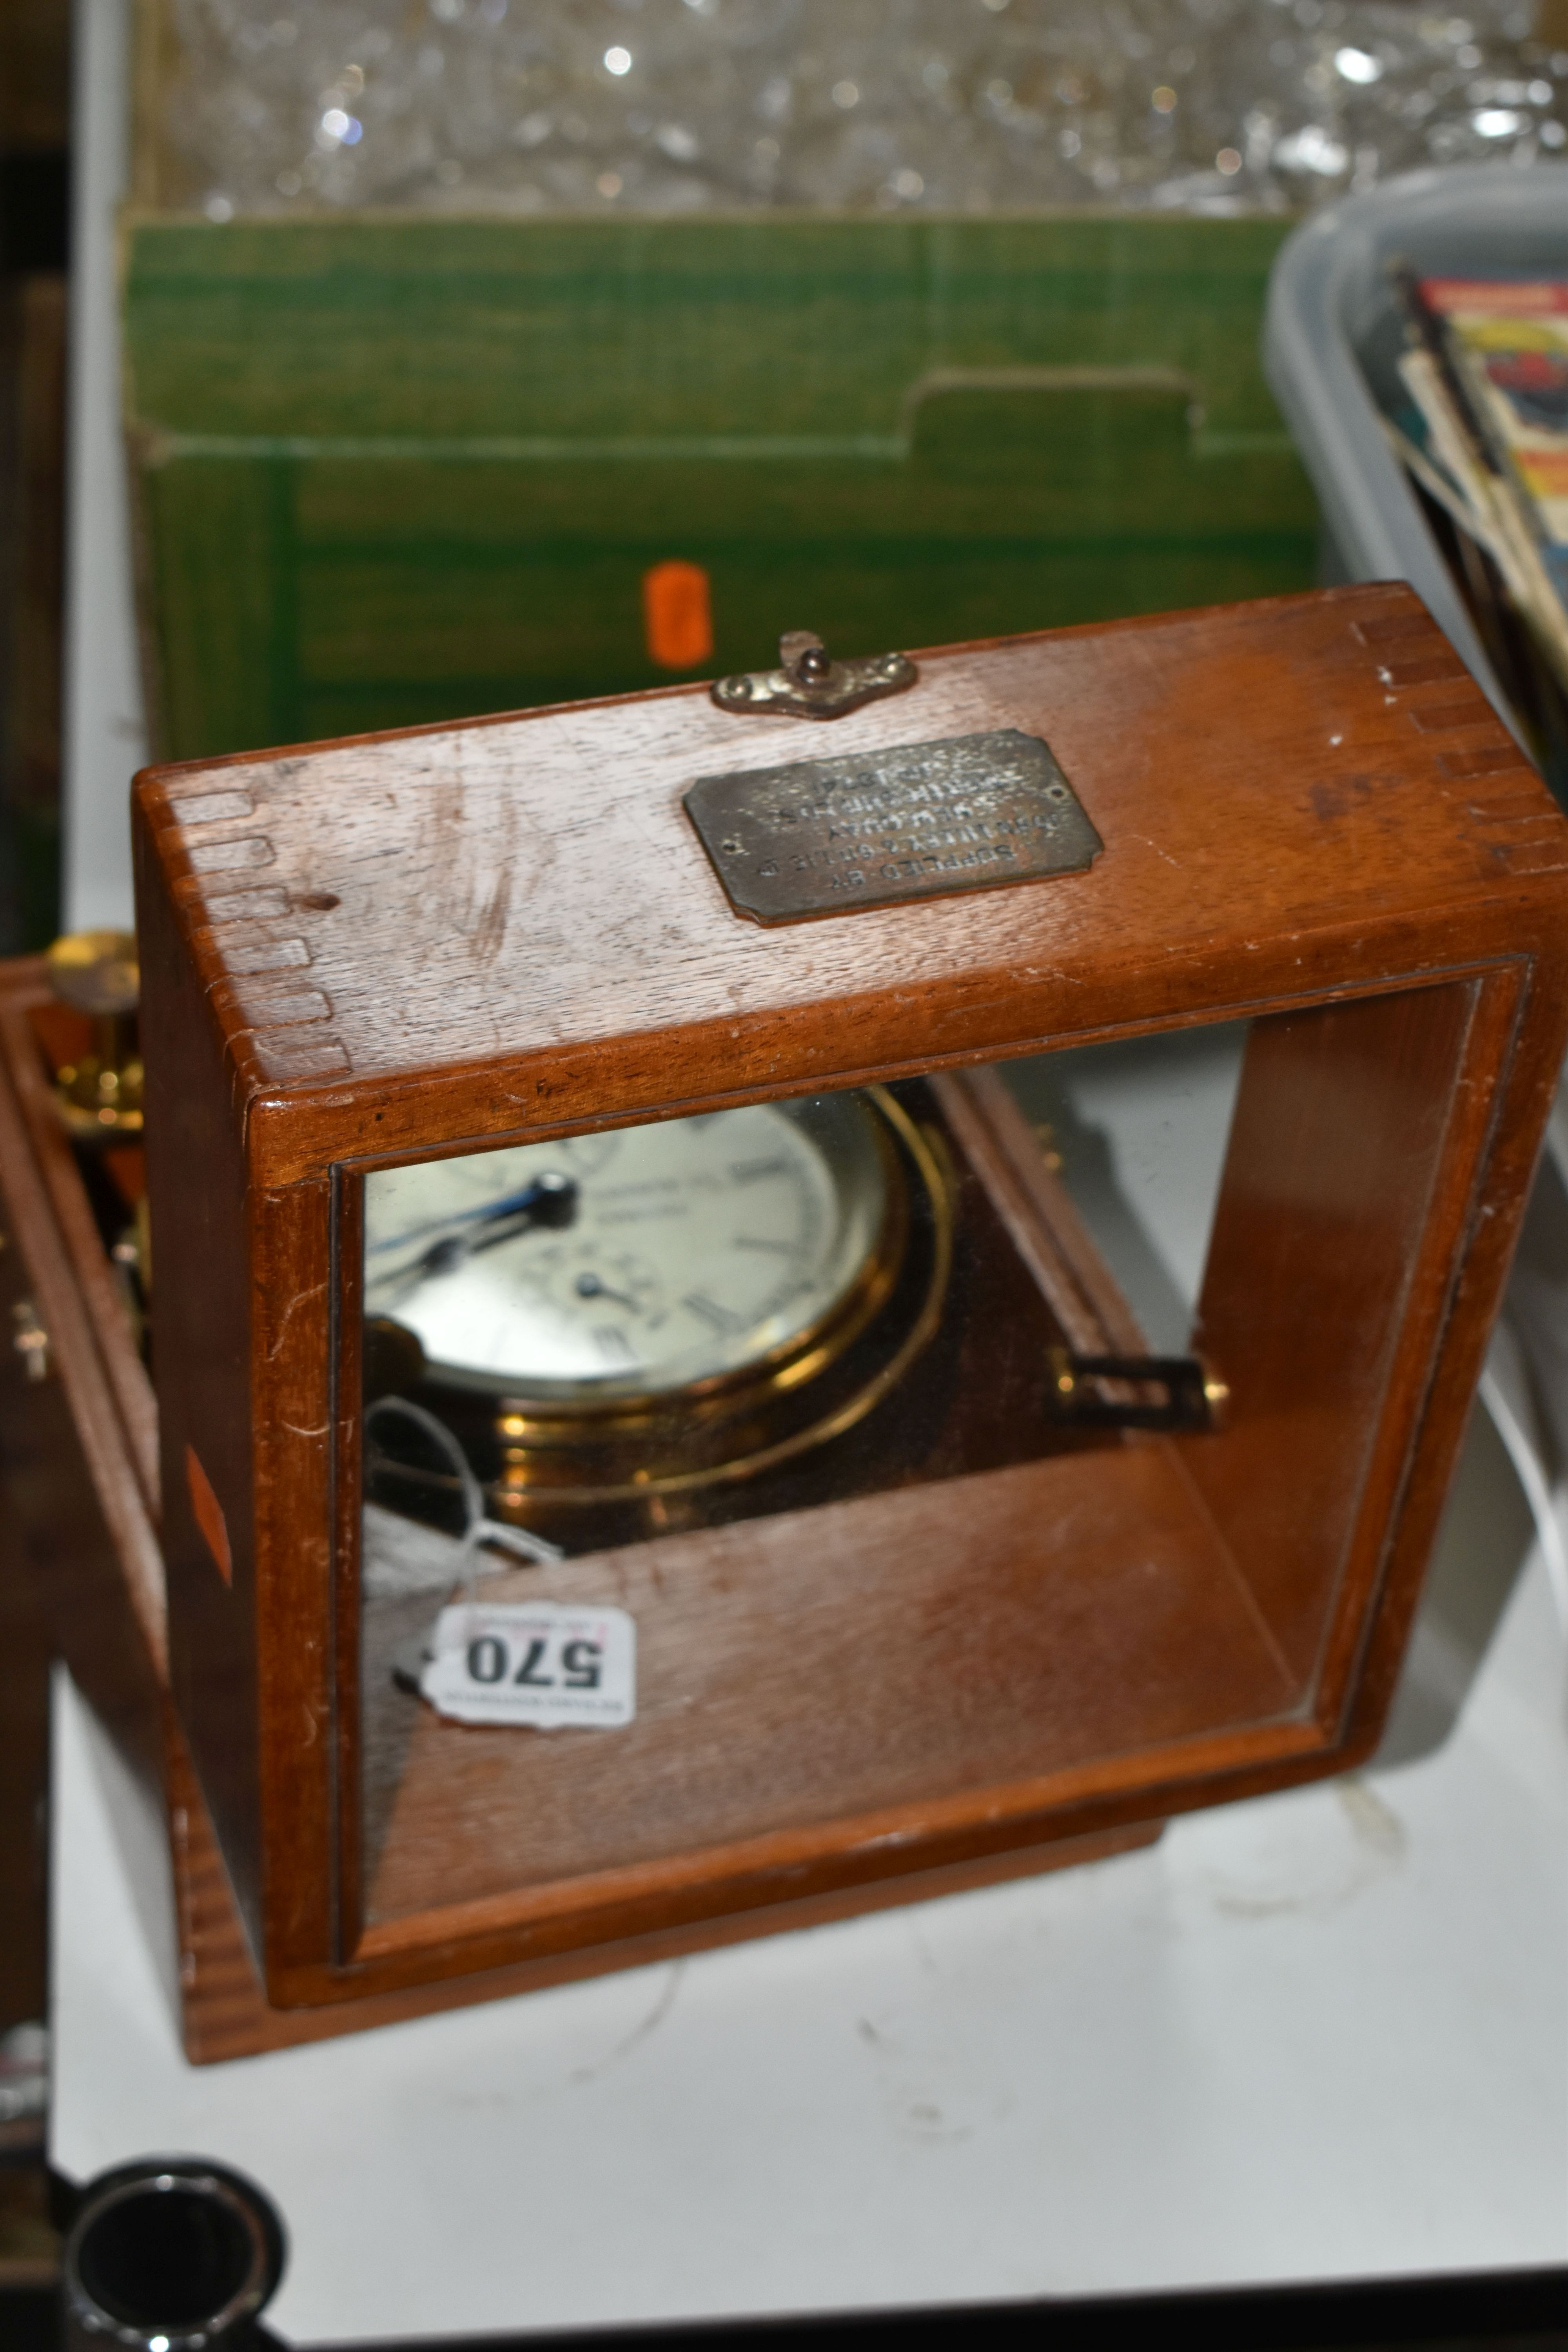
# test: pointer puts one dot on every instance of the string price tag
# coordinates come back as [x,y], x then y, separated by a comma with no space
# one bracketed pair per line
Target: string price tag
[533,1662]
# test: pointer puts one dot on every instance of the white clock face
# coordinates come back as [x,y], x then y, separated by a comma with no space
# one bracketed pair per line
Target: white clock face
[694,1248]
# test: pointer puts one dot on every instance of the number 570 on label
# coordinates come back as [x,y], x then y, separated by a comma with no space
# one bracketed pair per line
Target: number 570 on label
[533,1662]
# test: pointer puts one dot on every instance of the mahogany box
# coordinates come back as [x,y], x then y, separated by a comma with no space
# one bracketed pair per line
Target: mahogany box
[598,1197]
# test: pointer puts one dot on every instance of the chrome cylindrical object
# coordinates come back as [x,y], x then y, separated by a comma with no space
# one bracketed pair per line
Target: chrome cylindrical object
[169,2254]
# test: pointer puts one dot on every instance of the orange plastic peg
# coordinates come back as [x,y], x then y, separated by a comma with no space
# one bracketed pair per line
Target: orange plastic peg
[678,614]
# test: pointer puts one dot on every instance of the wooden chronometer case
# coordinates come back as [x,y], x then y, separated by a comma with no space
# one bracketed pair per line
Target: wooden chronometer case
[361,954]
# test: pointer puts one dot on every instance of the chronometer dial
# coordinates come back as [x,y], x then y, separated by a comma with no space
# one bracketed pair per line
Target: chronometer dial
[674,1254]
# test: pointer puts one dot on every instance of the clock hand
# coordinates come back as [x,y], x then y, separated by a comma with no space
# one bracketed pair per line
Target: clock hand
[590,1286]
[550,1202]
[527,1198]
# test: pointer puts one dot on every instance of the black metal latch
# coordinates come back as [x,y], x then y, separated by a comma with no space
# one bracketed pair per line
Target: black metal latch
[809,684]
[1166,1392]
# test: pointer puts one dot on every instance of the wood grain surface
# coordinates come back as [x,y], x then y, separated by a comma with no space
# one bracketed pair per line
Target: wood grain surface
[805,1671]
[1055,1246]
[224,2011]
[524,930]
[1340,1126]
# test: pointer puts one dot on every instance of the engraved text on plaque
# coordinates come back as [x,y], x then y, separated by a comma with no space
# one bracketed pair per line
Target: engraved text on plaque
[824,837]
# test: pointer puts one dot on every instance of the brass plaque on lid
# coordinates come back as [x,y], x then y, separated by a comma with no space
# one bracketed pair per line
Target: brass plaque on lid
[871,828]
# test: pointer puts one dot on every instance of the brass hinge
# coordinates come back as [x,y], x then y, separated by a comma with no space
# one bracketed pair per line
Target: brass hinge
[1166,1392]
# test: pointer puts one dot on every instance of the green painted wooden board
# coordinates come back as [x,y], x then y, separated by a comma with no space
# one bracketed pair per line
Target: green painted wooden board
[391,471]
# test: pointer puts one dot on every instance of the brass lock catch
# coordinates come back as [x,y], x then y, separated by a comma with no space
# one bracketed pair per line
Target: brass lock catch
[809,684]
[1166,1392]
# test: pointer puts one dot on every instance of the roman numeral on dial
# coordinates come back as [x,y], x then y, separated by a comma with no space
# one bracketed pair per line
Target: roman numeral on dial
[716,1318]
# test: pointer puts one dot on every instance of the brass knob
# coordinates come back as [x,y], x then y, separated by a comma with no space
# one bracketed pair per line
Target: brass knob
[30,1340]
[96,973]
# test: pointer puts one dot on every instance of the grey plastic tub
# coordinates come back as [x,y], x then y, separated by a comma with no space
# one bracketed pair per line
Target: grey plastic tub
[1331,338]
